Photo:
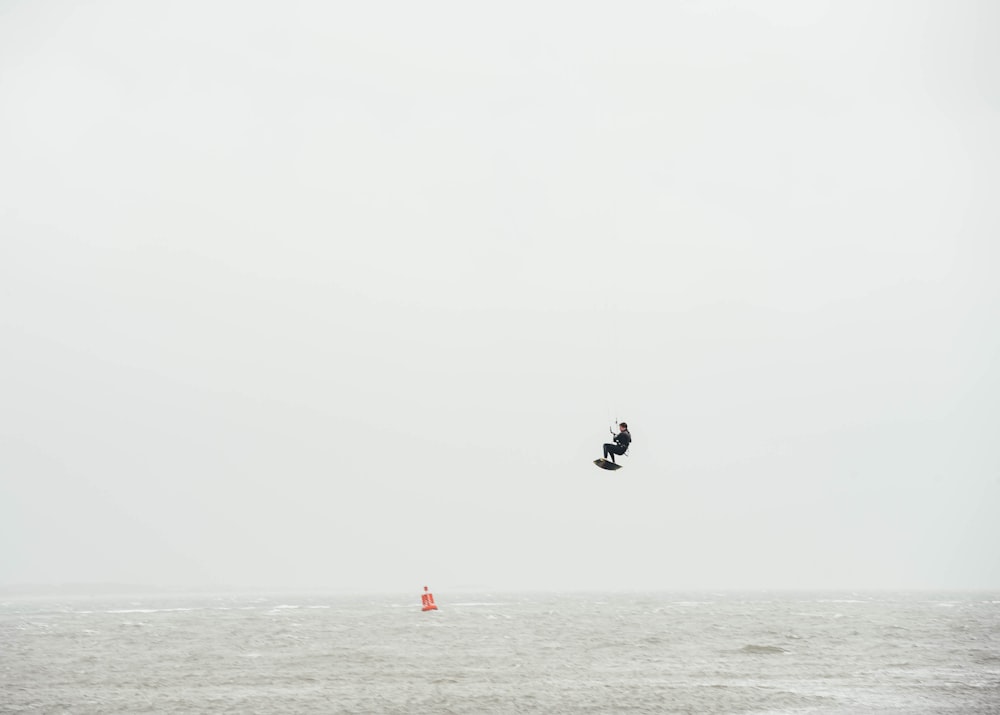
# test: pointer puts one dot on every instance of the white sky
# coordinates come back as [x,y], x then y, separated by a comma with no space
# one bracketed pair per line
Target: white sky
[345,295]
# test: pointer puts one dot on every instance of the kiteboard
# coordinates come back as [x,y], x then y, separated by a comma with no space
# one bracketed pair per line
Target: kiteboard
[605,464]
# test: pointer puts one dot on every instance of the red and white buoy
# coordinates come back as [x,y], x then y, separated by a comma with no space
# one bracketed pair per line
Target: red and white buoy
[427,599]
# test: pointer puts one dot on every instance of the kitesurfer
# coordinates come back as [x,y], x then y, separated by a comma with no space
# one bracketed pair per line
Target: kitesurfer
[622,441]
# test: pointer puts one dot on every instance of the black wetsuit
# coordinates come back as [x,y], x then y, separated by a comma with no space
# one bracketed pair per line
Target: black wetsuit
[623,439]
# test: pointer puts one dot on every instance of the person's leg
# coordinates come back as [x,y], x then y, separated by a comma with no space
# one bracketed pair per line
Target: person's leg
[611,450]
[615,449]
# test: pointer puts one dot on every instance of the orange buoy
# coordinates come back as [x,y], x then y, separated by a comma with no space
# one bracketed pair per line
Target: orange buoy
[427,599]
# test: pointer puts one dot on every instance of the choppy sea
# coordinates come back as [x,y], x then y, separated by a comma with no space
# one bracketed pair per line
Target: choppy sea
[912,653]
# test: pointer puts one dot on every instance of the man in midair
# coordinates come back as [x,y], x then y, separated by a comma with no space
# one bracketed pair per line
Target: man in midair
[622,441]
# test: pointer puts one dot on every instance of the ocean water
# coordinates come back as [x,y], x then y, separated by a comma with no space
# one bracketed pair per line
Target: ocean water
[586,653]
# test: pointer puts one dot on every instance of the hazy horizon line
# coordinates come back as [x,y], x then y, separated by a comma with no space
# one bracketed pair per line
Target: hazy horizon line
[135,589]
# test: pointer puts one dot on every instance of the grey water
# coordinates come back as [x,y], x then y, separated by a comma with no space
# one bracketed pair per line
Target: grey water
[911,653]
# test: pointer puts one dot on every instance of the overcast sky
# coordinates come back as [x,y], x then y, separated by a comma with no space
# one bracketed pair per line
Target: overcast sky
[346,295]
